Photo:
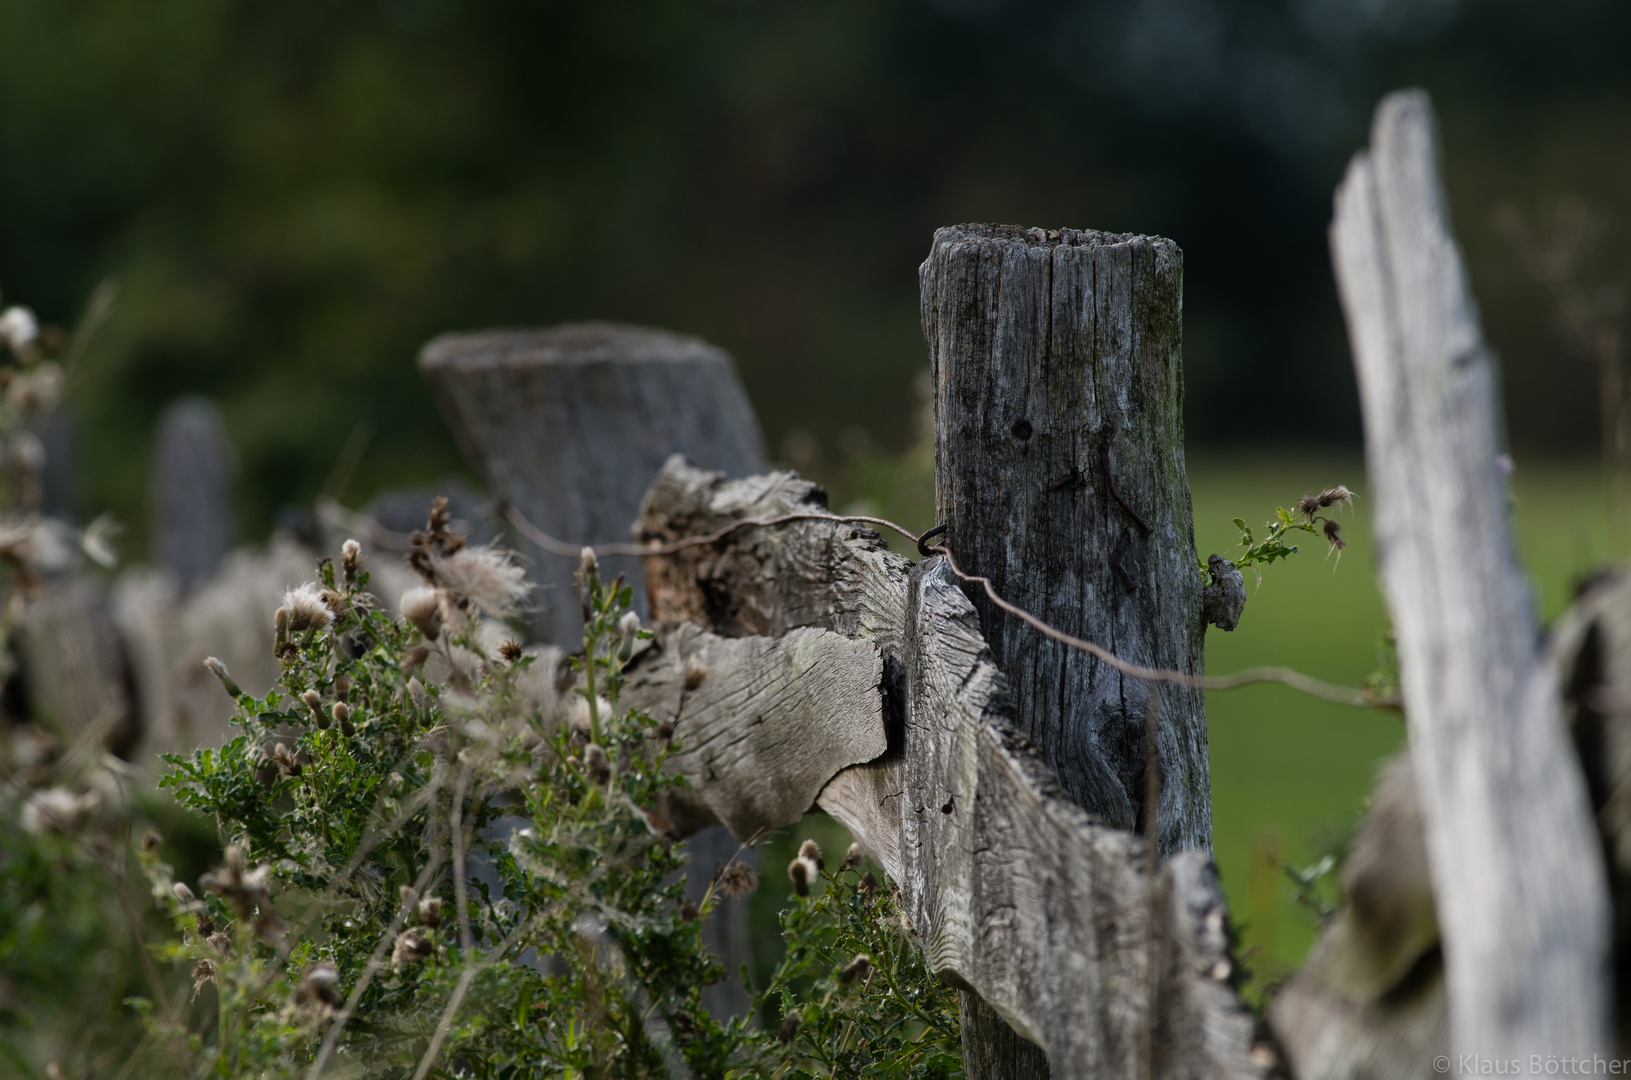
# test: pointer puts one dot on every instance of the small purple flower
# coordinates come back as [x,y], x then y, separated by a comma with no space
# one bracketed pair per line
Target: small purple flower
[1503,463]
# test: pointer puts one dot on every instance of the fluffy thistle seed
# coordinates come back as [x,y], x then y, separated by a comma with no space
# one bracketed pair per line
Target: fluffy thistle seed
[869,884]
[411,947]
[812,851]
[802,871]
[57,810]
[790,1028]
[665,731]
[422,607]
[856,968]
[203,972]
[1333,495]
[1308,505]
[738,879]
[629,624]
[588,564]
[320,985]
[695,675]
[220,942]
[688,911]
[350,558]
[314,702]
[416,694]
[414,657]
[483,576]
[852,857]
[284,758]
[342,713]
[183,893]
[511,651]
[280,622]
[307,608]
[1333,536]
[429,911]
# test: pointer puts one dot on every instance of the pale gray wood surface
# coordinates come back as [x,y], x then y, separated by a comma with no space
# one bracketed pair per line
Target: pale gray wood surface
[571,423]
[773,721]
[1519,882]
[192,480]
[1058,386]
[1015,892]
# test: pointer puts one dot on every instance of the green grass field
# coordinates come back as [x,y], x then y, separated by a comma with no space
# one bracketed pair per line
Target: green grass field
[1289,773]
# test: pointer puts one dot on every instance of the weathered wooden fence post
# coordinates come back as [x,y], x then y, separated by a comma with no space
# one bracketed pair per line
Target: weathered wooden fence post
[570,425]
[192,481]
[1059,473]
[1517,873]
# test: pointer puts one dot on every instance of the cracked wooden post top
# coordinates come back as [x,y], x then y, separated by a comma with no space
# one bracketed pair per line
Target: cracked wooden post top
[570,424]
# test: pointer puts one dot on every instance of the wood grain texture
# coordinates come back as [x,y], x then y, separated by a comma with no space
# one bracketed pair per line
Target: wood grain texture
[1059,471]
[1519,884]
[1016,893]
[774,720]
[570,424]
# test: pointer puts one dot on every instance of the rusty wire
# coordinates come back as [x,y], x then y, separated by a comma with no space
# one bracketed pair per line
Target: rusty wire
[338,515]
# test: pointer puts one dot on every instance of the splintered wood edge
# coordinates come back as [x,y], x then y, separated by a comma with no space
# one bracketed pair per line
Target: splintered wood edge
[1015,892]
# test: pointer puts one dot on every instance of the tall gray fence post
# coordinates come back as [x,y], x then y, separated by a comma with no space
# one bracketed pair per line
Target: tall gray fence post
[1059,473]
[570,425]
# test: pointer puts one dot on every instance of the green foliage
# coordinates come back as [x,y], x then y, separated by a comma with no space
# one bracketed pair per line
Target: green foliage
[374,913]
[1306,518]
[854,978]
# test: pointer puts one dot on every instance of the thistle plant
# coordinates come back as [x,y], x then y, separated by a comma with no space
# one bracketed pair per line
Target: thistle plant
[446,854]
[1307,516]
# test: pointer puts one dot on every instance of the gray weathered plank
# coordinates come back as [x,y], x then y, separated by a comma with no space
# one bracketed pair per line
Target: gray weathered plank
[192,483]
[1059,472]
[1017,893]
[772,722]
[1519,882]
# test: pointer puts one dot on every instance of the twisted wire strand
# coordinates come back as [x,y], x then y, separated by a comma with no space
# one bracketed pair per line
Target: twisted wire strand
[377,534]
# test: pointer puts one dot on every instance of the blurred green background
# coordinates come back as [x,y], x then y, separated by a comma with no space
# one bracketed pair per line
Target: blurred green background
[293,196]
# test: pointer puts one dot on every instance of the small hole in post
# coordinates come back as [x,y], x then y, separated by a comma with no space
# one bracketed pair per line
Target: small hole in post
[1021,429]
[947,808]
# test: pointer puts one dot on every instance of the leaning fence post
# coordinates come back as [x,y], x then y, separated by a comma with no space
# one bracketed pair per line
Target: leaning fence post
[1059,473]
[1518,877]
[570,425]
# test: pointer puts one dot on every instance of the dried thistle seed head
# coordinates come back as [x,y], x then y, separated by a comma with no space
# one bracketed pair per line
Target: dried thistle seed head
[869,884]
[287,763]
[410,898]
[1333,536]
[737,879]
[812,851]
[629,624]
[183,893]
[219,670]
[588,565]
[220,942]
[595,765]
[417,694]
[57,811]
[320,985]
[511,651]
[414,657]
[852,857]
[307,608]
[790,1028]
[280,622]
[856,968]
[803,872]
[664,731]
[203,972]
[483,576]
[422,606]
[342,713]
[695,675]
[1308,505]
[342,685]
[688,911]
[411,947]
[313,700]
[1333,495]
[429,911]
[350,558]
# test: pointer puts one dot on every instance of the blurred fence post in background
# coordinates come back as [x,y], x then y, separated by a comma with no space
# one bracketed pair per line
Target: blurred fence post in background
[1518,875]
[192,481]
[570,425]
[1059,473]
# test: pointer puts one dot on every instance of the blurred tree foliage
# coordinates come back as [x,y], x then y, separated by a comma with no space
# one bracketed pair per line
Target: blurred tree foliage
[295,194]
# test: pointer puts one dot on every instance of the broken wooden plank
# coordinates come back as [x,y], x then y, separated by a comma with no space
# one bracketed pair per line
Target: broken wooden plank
[1016,893]
[1519,884]
[770,724]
